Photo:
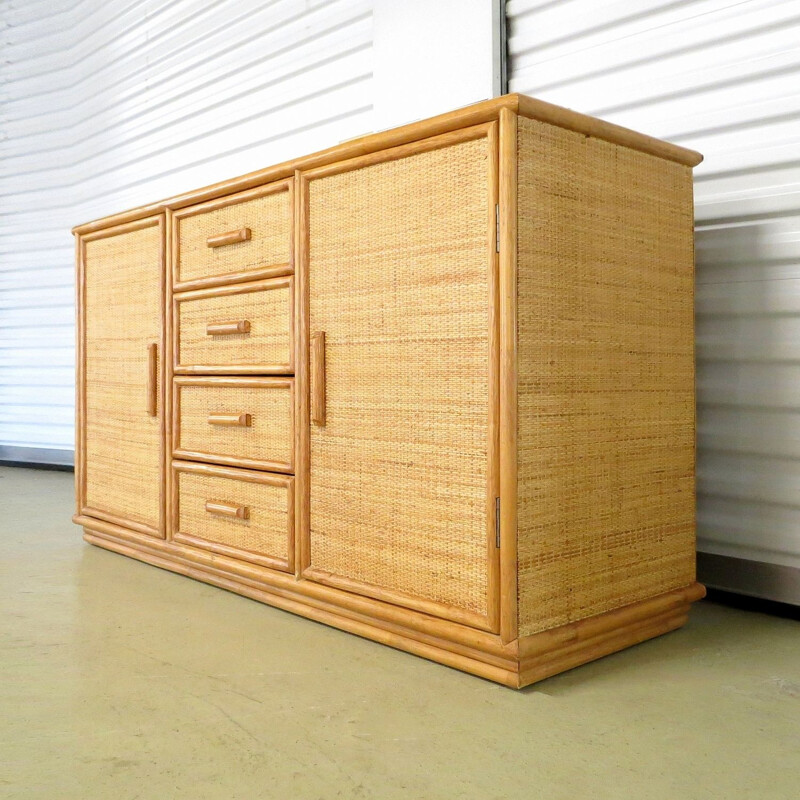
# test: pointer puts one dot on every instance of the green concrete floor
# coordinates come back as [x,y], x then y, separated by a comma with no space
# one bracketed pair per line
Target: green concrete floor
[119,680]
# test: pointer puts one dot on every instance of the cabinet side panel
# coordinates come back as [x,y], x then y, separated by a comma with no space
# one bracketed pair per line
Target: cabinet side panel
[606,376]
[123,277]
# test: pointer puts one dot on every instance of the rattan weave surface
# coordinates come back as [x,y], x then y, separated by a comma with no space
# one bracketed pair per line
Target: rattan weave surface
[270,223]
[268,438]
[266,532]
[398,274]
[606,405]
[122,316]
[269,312]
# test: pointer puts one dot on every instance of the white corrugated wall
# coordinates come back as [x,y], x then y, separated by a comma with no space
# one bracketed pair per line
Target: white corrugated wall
[721,77]
[108,105]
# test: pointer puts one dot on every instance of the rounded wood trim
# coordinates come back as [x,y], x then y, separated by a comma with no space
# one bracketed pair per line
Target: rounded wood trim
[470,115]
[441,651]
[537,668]
[233,552]
[400,598]
[273,271]
[238,570]
[232,461]
[585,630]
[600,129]
[508,374]
[566,647]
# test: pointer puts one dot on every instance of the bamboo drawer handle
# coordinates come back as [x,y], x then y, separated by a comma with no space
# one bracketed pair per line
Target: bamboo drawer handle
[152,379]
[228,328]
[318,378]
[231,420]
[227,510]
[231,237]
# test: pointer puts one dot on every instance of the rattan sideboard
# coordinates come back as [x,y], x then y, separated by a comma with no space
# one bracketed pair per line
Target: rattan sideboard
[433,386]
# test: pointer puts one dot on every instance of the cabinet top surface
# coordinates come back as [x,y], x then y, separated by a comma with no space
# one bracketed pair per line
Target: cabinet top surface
[469,115]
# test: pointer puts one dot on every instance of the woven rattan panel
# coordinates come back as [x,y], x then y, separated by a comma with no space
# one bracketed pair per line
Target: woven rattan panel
[268,438]
[269,313]
[266,532]
[270,223]
[606,406]
[122,316]
[398,274]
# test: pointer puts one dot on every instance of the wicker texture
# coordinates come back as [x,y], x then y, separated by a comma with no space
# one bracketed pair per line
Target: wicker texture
[606,371]
[122,317]
[398,274]
[270,223]
[266,532]
[269,312]
[268,438]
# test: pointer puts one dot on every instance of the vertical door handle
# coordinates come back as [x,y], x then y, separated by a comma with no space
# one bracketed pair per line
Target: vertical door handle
[318,378]
[152,379]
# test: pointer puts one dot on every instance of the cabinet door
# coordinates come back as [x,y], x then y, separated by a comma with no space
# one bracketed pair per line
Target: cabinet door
[401,277]
[121,284]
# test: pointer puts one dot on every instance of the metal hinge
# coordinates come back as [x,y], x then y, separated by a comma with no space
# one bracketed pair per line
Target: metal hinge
[497,522]
[497,227]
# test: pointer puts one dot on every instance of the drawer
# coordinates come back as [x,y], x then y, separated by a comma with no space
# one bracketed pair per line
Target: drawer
[241,237]
[240,422]
[241,329]
[235,512]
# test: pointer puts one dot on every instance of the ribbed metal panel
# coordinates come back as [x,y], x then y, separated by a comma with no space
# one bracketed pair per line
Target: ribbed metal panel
[721,77]
[110,105]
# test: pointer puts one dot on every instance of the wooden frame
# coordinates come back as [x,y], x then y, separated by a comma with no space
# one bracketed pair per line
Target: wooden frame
[484,111]
[480,653]
[169,365]
[488,646]
[508,375]
[490,621]
[80,382]
[260,273]
[494,553]
[251,476]
[409,631]
[230,461]
[285,282]
[244,572]
[302,409]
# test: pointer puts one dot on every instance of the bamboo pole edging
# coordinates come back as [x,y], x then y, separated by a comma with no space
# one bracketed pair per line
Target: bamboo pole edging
[302,605]
[477,113]
[364,628]
[508,375]
[494,583]
[586,629]
[269,580]
[534,670]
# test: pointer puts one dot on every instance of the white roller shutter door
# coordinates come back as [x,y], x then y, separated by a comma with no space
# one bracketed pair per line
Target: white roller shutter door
[721,77]
[110,105]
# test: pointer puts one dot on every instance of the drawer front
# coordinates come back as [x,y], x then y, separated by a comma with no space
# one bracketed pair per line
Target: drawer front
[243,329]
[235,512]
[244,422]
[242,237]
